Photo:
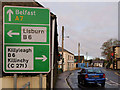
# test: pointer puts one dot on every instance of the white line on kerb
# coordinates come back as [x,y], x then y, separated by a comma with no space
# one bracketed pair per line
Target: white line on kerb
[26,24]
[108,83]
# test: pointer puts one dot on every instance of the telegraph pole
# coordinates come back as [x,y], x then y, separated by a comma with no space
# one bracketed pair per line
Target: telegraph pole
[62,46]
[86,55]
[78,52]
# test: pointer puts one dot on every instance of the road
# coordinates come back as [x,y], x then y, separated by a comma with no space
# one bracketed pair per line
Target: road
[112,80]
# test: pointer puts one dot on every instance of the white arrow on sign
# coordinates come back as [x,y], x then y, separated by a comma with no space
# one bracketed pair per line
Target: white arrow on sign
[44,58]
[10,33]
[9,12]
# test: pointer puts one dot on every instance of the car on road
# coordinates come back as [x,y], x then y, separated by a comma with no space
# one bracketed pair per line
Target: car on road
[91,75]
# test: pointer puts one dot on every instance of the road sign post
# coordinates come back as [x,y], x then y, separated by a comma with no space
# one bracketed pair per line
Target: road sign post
[26,39]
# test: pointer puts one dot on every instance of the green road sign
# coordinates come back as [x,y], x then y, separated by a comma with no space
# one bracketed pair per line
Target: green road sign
[26,39]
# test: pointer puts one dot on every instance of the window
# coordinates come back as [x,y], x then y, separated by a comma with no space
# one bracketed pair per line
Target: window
[72,65]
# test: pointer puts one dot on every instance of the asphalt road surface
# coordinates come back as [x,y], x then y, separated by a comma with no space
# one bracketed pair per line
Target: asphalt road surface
[112,81]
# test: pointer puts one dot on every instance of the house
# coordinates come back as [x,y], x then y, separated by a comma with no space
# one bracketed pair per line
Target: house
[97,63]
[77,61]
[116,57]
[68,63]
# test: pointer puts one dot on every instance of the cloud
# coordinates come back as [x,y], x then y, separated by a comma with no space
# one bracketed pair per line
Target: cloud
[90,23]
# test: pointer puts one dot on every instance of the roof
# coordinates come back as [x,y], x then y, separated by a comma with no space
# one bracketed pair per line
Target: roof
[91,68]
[97,61]
[81,58]
[64,50]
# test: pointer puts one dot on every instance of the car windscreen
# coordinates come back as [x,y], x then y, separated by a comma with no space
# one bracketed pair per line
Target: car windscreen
[94,71]
[90,71]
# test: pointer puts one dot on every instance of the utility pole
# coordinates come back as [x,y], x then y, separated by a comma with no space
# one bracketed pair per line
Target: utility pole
[62,46]
[86,55]
[78,52]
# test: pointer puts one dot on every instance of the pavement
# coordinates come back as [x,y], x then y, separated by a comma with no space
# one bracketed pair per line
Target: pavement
[62,82]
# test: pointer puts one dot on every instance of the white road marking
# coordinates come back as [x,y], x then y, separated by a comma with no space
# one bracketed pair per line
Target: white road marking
[117,73]
[106,78]
[67,81]
[112,83]
[108,83]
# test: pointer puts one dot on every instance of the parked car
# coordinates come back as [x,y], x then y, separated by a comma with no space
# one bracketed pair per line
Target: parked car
[91,75]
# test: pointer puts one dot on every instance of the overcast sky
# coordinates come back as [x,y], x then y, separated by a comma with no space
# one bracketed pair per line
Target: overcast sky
[90,23]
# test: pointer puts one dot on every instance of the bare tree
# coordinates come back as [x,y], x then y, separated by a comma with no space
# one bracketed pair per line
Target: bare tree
[107,48]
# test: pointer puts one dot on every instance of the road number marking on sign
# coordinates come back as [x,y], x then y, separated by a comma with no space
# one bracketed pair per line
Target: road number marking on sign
[33,34]
[19,58]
